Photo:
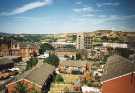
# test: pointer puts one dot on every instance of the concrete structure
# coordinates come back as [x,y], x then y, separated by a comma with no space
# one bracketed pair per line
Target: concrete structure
[84,40]
[115,45]
[61,44]
[119,76]
[27,50]
[65,52]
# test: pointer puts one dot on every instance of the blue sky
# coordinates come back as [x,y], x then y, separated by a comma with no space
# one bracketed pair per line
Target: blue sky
[57,16]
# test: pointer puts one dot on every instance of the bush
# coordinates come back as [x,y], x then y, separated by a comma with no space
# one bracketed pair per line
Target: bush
[59,79]
[32,62]
[45,47]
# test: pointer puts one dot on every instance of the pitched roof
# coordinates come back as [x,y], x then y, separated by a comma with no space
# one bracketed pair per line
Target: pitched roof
[39,74]
[4,61]
[117,66]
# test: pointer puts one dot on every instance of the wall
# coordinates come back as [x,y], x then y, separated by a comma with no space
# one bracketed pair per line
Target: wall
[125,84]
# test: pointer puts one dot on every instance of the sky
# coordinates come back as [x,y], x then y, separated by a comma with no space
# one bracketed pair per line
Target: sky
[59,16]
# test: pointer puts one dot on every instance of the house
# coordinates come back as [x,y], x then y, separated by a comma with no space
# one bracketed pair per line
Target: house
[118,76]
[38,78]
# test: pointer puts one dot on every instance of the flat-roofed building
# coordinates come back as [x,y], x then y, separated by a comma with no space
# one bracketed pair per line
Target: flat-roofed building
[62,44]
[84,40]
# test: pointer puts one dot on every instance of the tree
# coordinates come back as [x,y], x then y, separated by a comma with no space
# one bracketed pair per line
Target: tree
[59,79]
[74,37]
[45,47]
[52,59]
[32,62]
[78,56]
[21,88]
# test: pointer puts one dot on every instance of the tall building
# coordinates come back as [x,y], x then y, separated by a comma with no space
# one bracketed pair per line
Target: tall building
[84,40]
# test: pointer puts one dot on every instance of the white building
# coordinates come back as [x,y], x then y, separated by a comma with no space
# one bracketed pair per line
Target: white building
[115,45]
[61,44]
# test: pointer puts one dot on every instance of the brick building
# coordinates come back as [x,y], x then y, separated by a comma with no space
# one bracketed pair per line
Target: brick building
[39,79]
[14,48]
[119,76]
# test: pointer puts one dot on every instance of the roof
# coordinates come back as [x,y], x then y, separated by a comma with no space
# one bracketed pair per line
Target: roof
[28,45]
[63,43]
[65,50]
[39,74]
[117,66]
[74,63]
[4,61]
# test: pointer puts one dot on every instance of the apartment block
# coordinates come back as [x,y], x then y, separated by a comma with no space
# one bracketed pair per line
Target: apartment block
[84,40]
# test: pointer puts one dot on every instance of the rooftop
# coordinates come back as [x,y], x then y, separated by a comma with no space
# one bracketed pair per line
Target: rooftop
[117,66]
[39,74]
[4,60]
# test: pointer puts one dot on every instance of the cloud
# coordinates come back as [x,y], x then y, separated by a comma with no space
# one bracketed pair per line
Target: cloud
[88,15]
[118,17]
[108,4]
[27,7]
[78,3]
[83,9]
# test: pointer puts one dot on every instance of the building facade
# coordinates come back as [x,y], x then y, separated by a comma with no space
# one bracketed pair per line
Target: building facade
[84,40]
[14,48]
[118,76]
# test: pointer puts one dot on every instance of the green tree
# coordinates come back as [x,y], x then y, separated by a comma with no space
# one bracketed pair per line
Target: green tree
[59,79]
[45,47]
[21,88]
[74,37]
[32,62]
[78,56]
[53,60]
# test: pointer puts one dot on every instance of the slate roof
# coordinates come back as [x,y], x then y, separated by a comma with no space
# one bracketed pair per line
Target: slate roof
[39,74]
[117,66]
[4,61]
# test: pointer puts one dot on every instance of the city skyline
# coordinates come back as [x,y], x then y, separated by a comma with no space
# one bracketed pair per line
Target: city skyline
[59,16]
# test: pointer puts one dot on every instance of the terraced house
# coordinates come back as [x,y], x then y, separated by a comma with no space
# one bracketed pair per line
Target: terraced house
[38,79]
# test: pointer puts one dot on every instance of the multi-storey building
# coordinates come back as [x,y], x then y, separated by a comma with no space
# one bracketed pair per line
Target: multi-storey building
[14,48]
[9,47]
[84,40]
